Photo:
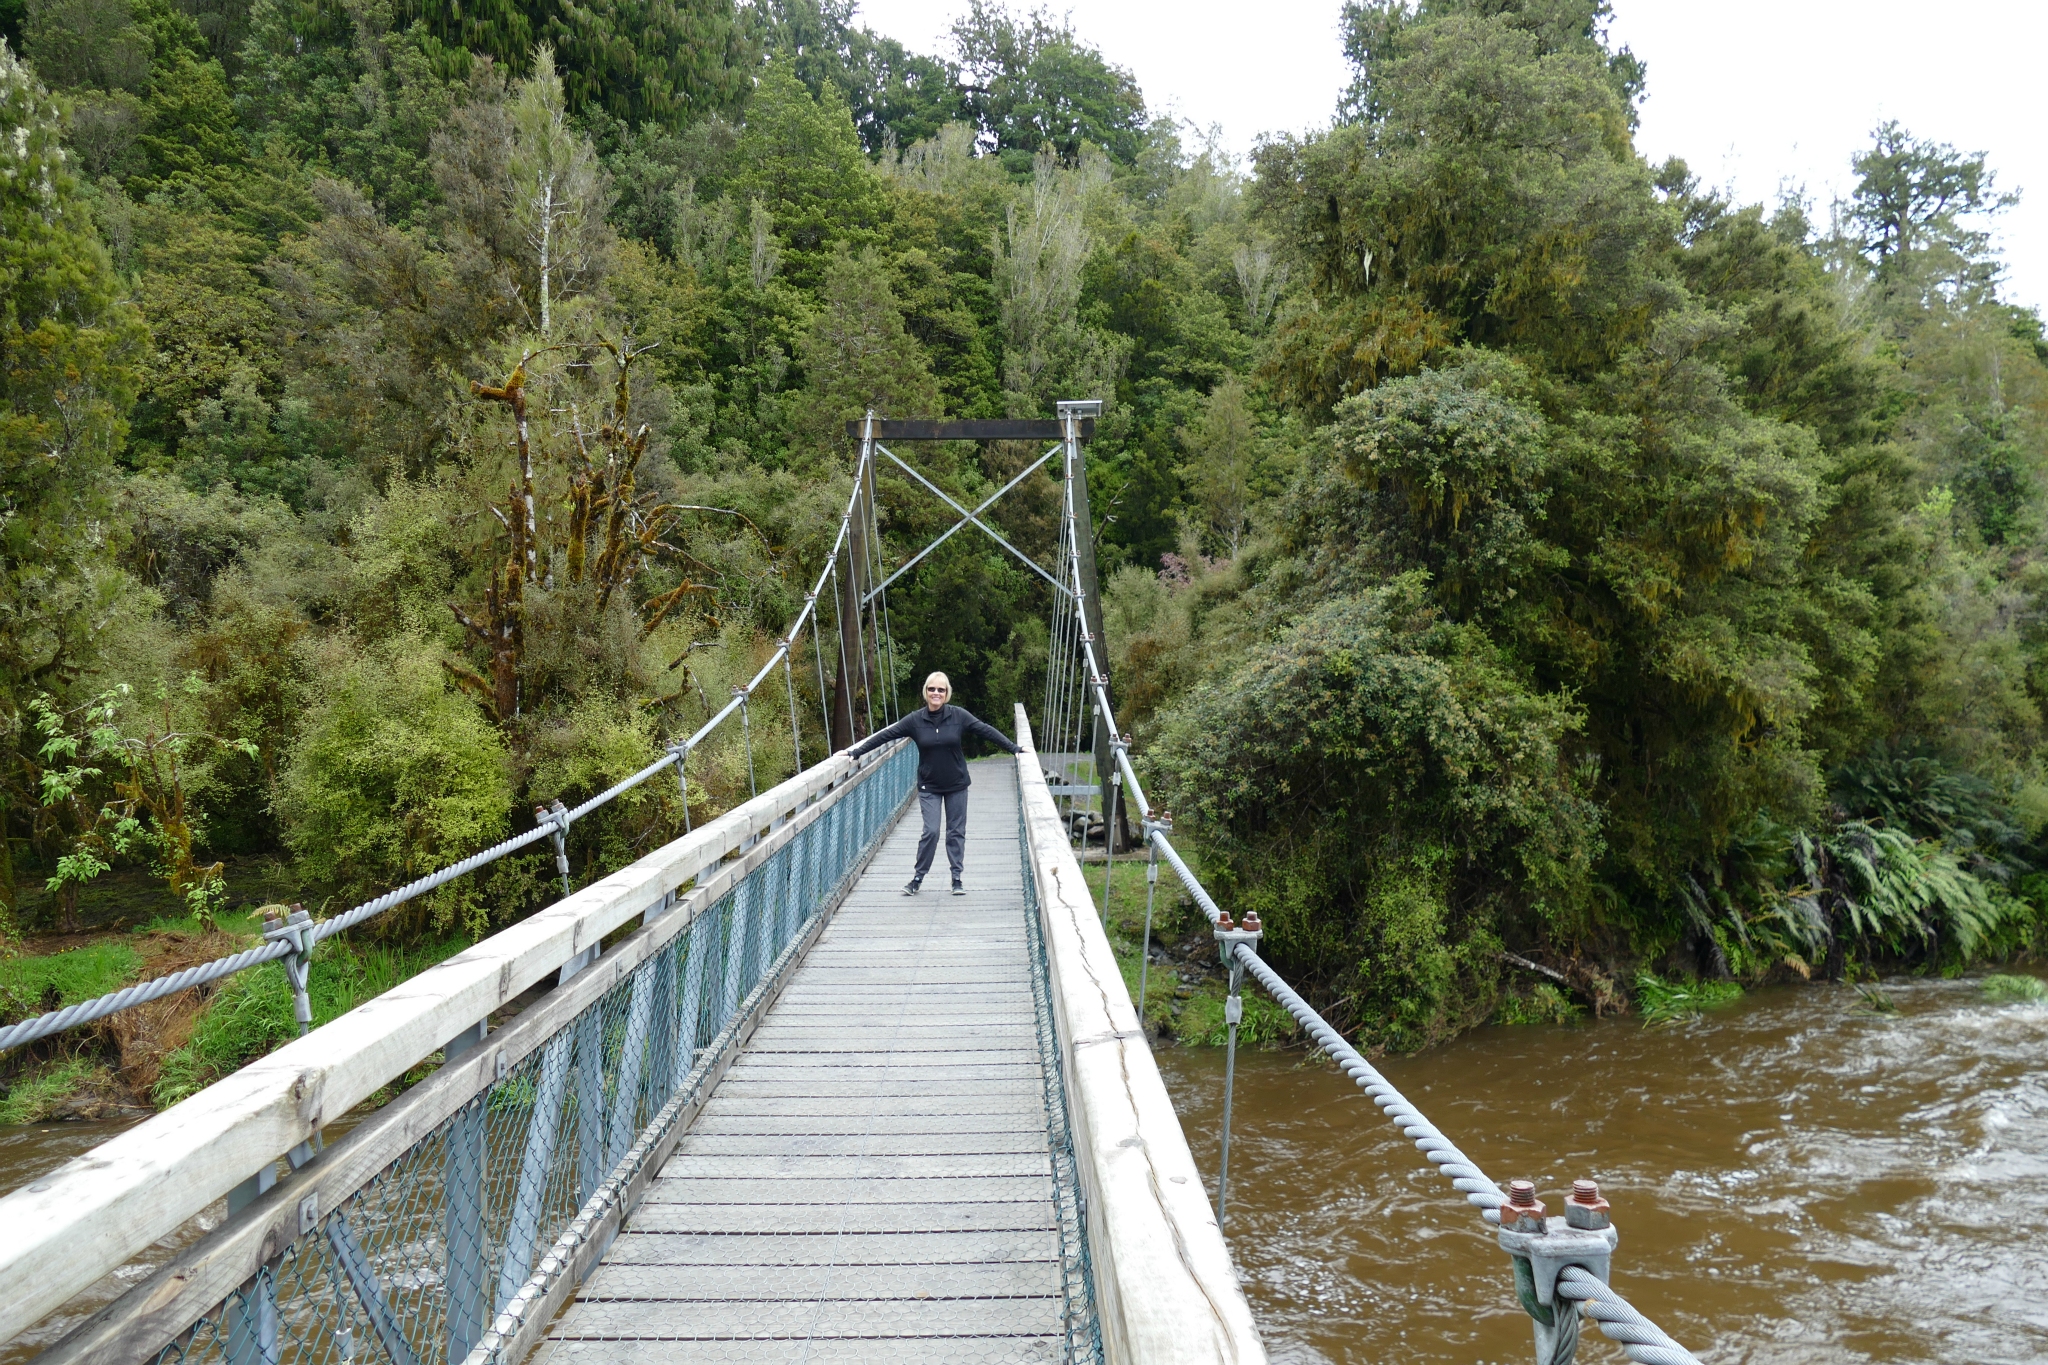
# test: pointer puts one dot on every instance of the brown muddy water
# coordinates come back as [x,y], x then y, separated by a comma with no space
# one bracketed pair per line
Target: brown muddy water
[1797,1180]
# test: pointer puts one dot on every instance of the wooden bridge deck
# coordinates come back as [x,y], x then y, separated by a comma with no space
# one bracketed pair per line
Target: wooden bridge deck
[871,1181]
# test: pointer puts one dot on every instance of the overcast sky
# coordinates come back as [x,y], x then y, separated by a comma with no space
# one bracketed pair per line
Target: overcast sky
[1760,96]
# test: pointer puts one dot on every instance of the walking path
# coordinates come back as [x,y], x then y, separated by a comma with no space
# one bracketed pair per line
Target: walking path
[872,1179]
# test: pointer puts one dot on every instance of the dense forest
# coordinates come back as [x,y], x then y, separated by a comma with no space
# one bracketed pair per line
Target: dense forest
[1512,549]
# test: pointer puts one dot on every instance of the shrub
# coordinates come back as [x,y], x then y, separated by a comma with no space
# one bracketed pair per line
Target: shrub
[393,777]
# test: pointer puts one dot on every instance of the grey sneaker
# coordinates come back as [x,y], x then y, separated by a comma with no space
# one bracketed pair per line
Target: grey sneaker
[911,889]
[959,890]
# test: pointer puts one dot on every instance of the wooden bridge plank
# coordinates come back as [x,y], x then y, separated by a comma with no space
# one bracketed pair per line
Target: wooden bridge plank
[960,1280]
[636,1247]
[812,1351]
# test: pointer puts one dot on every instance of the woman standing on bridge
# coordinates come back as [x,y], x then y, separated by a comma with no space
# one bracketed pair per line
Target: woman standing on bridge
[941,772]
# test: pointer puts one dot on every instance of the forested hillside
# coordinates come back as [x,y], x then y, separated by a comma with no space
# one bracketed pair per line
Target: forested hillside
[1510,545]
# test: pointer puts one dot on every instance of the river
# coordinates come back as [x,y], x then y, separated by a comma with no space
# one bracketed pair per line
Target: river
[1797,1180]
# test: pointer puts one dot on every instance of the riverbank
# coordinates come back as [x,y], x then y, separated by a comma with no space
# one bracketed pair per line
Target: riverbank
[144,1059]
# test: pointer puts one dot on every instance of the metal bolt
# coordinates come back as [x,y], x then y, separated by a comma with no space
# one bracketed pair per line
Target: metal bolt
[1223,924]
[1250,923]
[1585,1208]
[1524,1211]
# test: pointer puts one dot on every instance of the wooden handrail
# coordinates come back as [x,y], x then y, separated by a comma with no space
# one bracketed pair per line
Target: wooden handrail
[1165,1291]
[68,1229]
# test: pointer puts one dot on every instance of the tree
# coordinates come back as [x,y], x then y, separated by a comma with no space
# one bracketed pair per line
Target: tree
[1488,193]
[556,199]
[1032,84]
[667,61]
[800,160]
[1912,195]
[856,355]
[68,349]
[1222,447]
[896,97]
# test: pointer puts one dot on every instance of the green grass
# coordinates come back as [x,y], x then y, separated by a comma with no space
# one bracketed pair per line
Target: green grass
[1196,1020]
[29,1098]
[2014,989]
[1670,1002]
[1265,1023]
[79,974]
[252,1012]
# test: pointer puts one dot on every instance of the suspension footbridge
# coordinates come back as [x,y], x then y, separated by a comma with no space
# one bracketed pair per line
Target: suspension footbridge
[741,1099]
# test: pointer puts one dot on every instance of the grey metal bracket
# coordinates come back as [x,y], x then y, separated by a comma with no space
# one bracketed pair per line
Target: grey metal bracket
[555,816]
[297,931]
[1560,1245]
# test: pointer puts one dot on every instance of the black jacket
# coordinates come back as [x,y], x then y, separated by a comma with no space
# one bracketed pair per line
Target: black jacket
[941,767]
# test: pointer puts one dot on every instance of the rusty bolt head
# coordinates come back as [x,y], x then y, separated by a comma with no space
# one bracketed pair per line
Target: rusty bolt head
[1585,1208]
[1223,924]
[1524,1211]
[1250,923]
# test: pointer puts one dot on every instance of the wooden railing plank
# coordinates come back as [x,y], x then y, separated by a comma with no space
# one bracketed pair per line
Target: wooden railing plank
[77,1224]
[1165,1290]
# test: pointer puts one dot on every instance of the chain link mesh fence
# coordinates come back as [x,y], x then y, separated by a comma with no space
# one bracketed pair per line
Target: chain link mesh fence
[1081,1330]
[413,1266]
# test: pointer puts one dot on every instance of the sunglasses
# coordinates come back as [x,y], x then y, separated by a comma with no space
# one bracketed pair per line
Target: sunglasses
[940,690]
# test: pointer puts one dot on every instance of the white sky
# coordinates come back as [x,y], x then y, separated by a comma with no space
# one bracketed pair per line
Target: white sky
[1757,95]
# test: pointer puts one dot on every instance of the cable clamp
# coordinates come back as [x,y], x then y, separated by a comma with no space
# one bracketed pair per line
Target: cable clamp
[293,931]
[1229,935]
[1551,1244]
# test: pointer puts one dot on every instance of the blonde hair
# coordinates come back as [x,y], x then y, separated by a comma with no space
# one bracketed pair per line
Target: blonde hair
[941,678]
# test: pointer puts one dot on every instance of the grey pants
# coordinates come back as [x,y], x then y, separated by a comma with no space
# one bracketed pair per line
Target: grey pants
[928,805]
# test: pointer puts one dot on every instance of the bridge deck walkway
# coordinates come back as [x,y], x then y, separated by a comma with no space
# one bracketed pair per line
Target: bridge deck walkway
[871,1181]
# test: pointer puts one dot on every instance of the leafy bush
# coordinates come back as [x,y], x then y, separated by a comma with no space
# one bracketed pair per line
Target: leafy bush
[393,777]
[1380,786]
[1545,1004]
[1907,896]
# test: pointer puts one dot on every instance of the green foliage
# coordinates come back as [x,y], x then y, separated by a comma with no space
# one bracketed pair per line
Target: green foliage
[1032,84]
[1290,764]
[663,60]
[1488,170]
[252,1013]
[1671,1002]
[1905,896]
[1544,1004]
[67,355]
[2029,990]
[392,777]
